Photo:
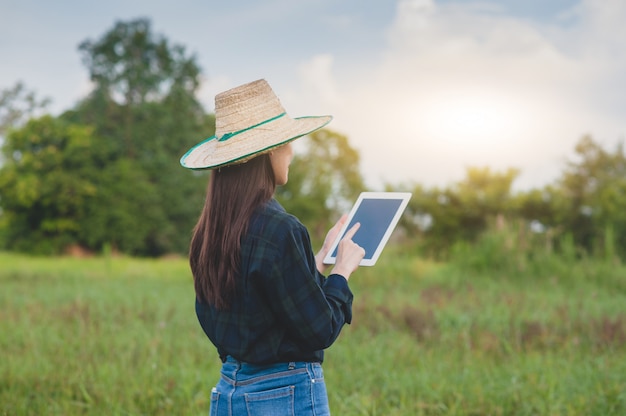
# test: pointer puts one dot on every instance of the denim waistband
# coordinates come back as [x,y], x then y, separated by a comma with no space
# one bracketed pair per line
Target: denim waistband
[239,373]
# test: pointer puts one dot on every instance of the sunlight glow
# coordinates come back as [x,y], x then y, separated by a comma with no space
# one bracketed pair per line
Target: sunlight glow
[479,117]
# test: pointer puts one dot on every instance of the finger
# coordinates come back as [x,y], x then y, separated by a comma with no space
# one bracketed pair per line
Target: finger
[350,233]
[342,220]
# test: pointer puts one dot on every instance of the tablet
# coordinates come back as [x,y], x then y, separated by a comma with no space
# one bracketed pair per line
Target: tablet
[378,213]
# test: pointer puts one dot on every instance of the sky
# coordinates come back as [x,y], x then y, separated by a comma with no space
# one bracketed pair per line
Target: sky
[423,89]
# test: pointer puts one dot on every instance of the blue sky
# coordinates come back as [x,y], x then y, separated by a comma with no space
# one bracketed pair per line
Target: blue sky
[422,88]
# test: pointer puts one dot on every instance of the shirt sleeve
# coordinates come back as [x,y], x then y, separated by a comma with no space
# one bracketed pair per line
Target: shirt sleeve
[312,308]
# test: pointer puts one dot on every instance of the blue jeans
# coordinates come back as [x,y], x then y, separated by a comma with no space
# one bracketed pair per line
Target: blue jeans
[295,388]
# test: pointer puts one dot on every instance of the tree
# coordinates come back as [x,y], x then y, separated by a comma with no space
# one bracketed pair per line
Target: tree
[45,184]
[124,186]
[595,187]
[60,188]
[462,211]
[324,180]
[17,105]
[124,212]
[144,108]
[140,79]
[133,65]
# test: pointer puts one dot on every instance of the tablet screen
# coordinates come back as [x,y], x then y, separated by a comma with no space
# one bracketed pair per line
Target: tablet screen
[378,213]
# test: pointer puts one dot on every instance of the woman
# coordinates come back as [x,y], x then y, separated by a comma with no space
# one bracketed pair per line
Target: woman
[261,297]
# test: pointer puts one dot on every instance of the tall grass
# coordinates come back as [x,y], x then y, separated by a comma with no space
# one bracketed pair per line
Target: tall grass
[100,336]
[118,336]
[465,342]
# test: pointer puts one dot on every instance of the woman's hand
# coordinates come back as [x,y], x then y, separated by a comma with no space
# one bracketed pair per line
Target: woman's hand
[349,254]
[328,241]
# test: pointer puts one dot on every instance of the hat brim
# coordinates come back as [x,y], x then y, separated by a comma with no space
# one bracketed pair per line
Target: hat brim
[213,153]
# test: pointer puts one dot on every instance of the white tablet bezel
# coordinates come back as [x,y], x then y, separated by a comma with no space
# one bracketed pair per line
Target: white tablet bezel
[403,196]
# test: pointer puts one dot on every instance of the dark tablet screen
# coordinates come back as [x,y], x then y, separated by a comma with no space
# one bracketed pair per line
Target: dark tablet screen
[375,216]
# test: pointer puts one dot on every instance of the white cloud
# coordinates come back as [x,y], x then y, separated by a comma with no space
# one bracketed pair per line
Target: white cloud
[459,86]
[316,76]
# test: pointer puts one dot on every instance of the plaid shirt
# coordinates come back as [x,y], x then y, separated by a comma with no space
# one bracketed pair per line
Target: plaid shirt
[284,309]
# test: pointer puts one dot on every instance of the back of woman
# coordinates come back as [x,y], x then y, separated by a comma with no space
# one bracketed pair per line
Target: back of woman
[261,297]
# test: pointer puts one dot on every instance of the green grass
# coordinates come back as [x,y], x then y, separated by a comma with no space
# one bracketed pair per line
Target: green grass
[118,336]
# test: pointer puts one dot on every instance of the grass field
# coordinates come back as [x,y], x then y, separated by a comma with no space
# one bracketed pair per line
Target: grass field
[118,336]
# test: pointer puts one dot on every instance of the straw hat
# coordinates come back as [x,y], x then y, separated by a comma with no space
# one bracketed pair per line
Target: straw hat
[249,121]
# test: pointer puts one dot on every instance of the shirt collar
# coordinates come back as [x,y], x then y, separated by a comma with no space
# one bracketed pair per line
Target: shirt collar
[274,204]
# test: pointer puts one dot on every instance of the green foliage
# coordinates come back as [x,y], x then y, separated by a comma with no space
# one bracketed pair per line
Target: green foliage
[17,105]
[121,215]
[461,212]
[106,174]
[585,207]
[517,254]
[135,65]
[103,336]
[515,251]
[144,107]
[60,188]
[46,184]
[595,188]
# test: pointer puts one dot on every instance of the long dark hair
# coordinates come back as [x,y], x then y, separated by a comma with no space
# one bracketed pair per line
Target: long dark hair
[233,194]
